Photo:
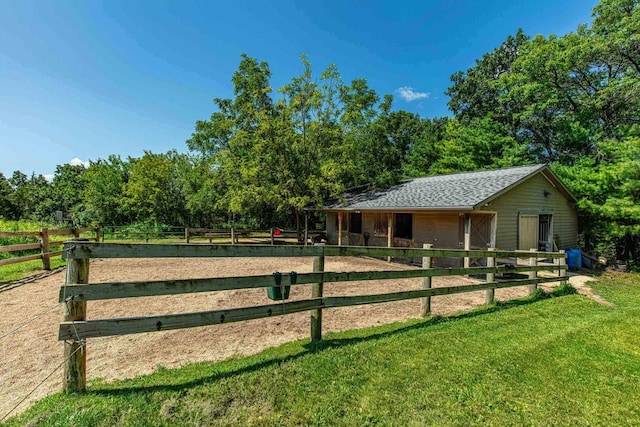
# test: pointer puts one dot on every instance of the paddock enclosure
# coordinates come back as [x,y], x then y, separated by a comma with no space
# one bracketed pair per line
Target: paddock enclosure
[29,354]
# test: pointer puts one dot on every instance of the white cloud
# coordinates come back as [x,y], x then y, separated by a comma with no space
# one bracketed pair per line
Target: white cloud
[408,94]
[77,162]
[48,177]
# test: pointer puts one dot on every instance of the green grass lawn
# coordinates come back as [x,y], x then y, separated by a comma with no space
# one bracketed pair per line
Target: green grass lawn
[539,361]
[12,272]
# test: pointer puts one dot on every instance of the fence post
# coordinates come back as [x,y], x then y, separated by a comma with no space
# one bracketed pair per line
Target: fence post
[44,244]
[97,230]
[75,354]
[273,239]
[425,303]
[233,236]
[316,292]
[76,232]
[562,263]
[490,294]
[186,235]
[533,261]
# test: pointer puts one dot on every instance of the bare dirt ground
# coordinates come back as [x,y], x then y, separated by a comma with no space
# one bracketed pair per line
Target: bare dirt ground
[30,354]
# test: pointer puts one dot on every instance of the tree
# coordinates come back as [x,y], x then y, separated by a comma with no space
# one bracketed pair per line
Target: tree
[483,144]
[476,92]
[608,189]
[153,191]
[103,196]
[424,150]
[7,208]
[68,188]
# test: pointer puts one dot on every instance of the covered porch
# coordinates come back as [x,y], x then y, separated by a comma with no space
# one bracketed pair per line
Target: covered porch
[413,229]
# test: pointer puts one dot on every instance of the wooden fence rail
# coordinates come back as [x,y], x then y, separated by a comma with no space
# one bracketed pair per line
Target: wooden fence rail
[44,244]
[78,289]
[271,236]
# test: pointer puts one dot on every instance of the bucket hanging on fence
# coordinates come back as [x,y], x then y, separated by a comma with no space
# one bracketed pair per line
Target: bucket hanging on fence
[280,292]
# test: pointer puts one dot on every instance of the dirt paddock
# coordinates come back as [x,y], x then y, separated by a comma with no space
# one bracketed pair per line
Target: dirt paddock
[34,351]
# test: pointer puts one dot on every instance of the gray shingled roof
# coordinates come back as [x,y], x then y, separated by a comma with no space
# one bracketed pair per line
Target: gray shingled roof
[461,190]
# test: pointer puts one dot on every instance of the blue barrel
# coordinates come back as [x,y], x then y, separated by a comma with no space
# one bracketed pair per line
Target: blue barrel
[574,259]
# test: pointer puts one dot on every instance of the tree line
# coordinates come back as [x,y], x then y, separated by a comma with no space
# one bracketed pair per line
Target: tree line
[263,155]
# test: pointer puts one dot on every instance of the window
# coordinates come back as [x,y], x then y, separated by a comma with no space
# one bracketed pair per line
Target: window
[380,224]
[403,226]
[355,222]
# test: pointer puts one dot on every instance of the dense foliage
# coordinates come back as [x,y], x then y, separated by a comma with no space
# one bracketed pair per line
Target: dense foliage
[263,156]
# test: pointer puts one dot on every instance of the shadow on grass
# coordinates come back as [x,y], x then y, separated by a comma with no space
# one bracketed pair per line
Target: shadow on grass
[333,343]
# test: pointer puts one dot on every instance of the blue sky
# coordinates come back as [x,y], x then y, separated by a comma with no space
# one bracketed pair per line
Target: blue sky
[82,80]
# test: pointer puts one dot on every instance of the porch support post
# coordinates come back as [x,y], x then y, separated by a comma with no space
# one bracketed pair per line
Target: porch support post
[494,228]
[467,238]
[339,228]
[389,233]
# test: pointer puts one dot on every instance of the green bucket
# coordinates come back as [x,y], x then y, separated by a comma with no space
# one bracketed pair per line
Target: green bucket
[279,292]
[275,292]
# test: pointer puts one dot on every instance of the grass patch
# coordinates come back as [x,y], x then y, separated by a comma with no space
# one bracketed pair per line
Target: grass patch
[9,273]
[12,272]
[536,361]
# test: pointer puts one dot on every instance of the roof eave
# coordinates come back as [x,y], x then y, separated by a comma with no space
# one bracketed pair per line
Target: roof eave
[401,209]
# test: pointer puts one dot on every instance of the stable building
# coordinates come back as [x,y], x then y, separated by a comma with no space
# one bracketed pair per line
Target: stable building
[519,208]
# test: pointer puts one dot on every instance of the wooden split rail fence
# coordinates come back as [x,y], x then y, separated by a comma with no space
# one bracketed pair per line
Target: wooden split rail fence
[44,244]
[75,329]
[272,236]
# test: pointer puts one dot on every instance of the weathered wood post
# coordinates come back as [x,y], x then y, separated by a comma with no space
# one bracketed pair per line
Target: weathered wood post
[75,352]
[562,263]
[306,228]
[533,261]
[490,294]
[233,236]
[186,235]
[339,228]
[44,244]
[316,292]
[97,230]
[467,240]
[389,233]
[272,237]
[425,303]
[76,232]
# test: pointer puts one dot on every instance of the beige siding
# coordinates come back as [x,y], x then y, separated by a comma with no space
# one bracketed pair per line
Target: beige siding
[529,197]
[440,229]
[332,228]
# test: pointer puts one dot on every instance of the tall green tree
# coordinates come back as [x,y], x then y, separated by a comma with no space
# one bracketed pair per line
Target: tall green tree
[424,151]
[608,189]
[154,192]
[476,92]
[103,196]
[483,144]
[68,187]
[7,208]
